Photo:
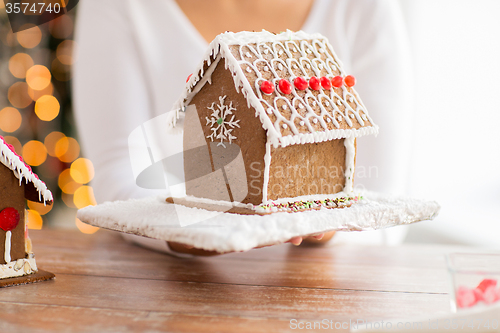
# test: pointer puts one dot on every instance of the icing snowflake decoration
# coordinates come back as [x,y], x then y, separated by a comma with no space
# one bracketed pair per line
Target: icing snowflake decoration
[222,122]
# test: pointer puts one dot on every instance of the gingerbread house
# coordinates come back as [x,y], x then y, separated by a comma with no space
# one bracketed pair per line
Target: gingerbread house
[289,107]
[17,183]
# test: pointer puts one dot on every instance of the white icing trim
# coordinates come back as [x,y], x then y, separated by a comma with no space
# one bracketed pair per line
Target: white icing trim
[12,161]
[8,236]
[267,167]
[228,204]
[350,154]
[219,48]
[19,267]
[327,136]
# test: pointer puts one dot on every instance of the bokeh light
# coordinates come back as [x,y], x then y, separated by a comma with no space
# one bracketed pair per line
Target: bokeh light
[10,119]
[47,107]
[65,51]
[19,63]
[67,149]
[34,219]
[39,207]
[29,38]
[61,27]
[82,170]
[66,183]
[18,95]
[18,147]
[34,153]
[38,77]
[51,141]
[84,227]
[84,196]
[10,39]
[36,94]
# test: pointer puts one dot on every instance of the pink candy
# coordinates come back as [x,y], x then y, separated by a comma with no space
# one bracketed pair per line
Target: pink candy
[465,297]
[486,292]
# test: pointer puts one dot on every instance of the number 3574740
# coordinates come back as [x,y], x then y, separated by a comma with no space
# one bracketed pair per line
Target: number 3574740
[32,8]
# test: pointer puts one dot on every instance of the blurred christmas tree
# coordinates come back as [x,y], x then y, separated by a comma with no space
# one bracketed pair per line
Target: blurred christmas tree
[36,113]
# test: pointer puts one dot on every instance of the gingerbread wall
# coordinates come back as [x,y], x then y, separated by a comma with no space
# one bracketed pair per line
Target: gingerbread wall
[12,195]
[307,169]
[250,138]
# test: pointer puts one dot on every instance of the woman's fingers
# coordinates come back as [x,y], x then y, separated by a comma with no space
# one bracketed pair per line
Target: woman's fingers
[296,240]
[318,237]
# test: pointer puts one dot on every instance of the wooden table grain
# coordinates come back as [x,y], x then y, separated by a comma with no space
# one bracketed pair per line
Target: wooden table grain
[104,284]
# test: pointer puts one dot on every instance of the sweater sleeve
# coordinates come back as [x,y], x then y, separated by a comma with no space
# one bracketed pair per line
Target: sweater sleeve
[110,96]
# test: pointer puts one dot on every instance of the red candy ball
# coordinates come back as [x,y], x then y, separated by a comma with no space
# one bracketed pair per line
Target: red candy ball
[314,83]
[267,87]
[9,218]
[326,83]
[337,81]
[285,86]
[350,80]
[300,83]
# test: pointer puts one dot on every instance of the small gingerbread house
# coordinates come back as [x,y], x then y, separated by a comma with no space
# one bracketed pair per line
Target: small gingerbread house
[17,183]
[286,103]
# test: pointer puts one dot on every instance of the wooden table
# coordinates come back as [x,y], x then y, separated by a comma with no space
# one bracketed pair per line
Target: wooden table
[104,284]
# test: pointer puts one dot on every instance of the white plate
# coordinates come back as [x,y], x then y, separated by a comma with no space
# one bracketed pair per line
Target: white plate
[224,232]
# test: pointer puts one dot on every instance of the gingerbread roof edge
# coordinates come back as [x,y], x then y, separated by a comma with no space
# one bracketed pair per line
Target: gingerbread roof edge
[21,170]
[280,130]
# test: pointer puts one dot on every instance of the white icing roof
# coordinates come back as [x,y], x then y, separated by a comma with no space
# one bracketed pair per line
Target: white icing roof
[303,116]
[21,170]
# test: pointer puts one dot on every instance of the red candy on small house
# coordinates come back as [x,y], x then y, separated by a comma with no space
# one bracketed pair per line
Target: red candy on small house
[189,76]
[285,86]
[337,81]
[300,83]
[326,83]
[314,83]
[9,218]
[350,80]
[267,87]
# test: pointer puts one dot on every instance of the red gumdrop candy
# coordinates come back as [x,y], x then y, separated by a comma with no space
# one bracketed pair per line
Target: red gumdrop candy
[314,83]
[267,87]
[486,283]
[337,81]
[9,218]
[189,76]
[285,86]
[465,297]
[300,83]
[350,80]
[326,83]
